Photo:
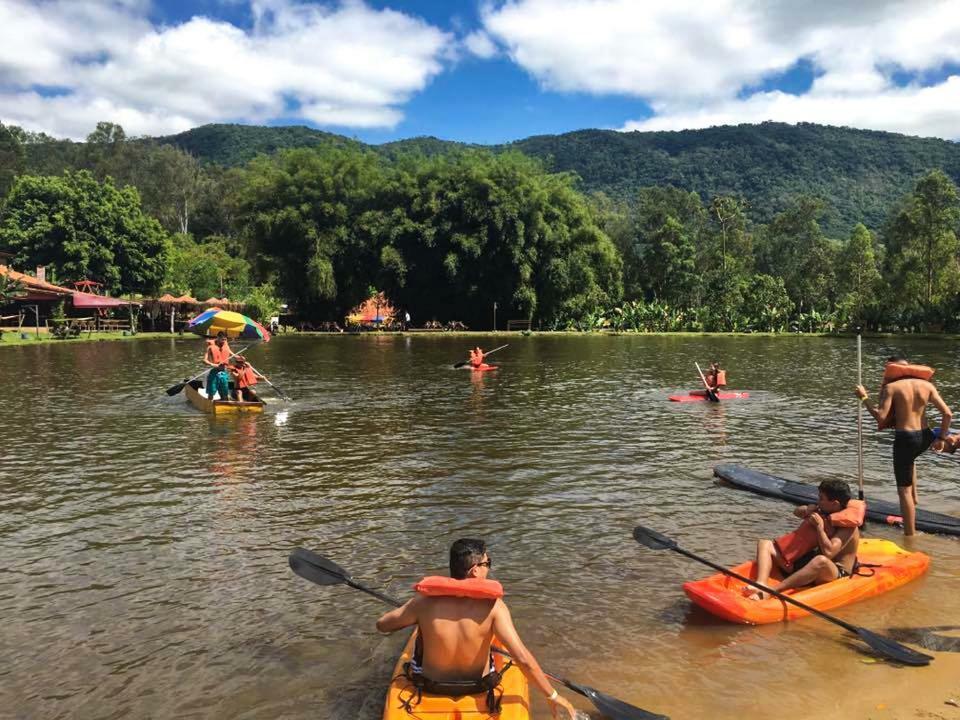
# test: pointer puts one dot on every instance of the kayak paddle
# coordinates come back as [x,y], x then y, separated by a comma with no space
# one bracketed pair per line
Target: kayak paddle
[459,365]
[711,395]
[323,571]
[883,645]
[175,389]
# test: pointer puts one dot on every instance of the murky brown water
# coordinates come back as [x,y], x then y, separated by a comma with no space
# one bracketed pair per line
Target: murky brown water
[144,545]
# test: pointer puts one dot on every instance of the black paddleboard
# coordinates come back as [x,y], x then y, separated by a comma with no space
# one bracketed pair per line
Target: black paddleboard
[803,493]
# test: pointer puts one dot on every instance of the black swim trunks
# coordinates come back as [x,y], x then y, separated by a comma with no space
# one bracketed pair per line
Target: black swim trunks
[907,446]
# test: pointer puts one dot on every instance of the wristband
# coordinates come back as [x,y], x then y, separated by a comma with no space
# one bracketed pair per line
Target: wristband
[864,399]
[553,696]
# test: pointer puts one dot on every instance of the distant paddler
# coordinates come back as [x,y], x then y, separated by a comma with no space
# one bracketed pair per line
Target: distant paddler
[476,356]
[904,395]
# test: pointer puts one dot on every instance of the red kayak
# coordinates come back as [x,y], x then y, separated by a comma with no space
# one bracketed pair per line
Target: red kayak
[689,397]
[480,368]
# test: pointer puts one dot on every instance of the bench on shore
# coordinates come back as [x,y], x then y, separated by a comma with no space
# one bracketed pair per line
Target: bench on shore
[518,325]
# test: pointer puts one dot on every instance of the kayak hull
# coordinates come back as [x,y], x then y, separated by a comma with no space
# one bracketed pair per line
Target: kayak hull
[703,398]
[515,702]
[481,368]
[722,595]
[804,494]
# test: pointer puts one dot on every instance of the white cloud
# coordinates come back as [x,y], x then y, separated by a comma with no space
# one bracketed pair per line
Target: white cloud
[480,44]
[692,61]
[347,64]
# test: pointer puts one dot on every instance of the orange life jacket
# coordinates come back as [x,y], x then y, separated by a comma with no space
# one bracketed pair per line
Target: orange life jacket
[245,376]
[219,354]
[896,371]
[439,586]
[720,378]
[476,358]
[798,543]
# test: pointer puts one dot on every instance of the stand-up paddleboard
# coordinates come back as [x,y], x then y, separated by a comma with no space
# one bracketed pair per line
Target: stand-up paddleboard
[690,397]
[803,493]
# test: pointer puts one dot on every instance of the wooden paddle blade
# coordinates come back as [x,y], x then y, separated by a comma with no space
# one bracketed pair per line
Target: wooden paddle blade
[652,539]
[611,707]
[316,568]
[892,649]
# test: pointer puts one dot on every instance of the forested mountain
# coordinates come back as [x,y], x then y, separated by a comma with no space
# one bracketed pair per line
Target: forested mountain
[859,173]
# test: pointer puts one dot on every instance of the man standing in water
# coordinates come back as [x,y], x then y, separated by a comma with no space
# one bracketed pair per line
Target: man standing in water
[457,618]
[904,396]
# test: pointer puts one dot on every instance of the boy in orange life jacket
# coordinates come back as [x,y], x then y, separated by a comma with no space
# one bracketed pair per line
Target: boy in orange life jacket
[476,357]
[457,618]
[821,550]
[904,396]
[244,378]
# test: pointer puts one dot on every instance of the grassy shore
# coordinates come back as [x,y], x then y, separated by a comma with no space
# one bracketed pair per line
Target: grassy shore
[13,338]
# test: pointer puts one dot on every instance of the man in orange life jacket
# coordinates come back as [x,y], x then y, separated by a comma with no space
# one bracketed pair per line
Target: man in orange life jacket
[457,619]
[822,549]
[218,353]
[904,395]
[716,379]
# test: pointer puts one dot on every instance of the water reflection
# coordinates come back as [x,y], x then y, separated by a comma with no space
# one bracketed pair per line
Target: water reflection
[145,543]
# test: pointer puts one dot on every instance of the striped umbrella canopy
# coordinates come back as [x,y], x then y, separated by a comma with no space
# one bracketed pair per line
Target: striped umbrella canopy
[234,324]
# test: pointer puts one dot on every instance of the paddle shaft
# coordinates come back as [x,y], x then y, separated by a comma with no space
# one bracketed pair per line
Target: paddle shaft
[859,420]
[785,598]
[711,395]
[280,392]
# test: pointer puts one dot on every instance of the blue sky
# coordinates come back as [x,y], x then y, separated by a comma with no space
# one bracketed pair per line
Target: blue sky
[483,71]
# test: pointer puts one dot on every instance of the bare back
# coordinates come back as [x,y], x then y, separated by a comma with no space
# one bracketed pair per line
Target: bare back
[908,399]
[456,634]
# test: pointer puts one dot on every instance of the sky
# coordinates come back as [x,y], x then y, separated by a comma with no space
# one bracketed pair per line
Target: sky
[479,71]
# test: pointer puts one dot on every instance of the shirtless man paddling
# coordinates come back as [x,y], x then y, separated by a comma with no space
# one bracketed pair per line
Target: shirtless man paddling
[456,632]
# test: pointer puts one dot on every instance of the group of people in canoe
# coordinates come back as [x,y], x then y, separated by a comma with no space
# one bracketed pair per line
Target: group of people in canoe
[230,377]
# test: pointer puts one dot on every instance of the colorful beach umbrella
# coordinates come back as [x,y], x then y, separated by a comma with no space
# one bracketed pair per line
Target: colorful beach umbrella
[234,324]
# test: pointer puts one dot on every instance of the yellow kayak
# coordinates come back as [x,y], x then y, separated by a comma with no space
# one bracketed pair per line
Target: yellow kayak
[515,702]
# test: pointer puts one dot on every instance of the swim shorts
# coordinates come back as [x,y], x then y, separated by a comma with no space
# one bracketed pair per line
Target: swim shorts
[907,446]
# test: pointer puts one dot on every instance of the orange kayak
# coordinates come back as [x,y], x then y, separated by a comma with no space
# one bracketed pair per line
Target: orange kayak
[515,702]
[722,595]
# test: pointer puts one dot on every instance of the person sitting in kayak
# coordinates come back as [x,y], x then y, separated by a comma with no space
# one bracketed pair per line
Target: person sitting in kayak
[476,357]
[716,380]
[821,550]
[244,378]
[458,617]
[218,352]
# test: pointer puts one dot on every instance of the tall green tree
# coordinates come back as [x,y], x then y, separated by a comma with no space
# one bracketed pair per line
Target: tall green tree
[12,161]
[206,269]
[858,275]
[727,246]
[82,228]
[922,243]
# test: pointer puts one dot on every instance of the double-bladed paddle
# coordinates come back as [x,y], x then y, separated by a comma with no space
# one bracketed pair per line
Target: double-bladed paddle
[323,571]
[459,365]
[883,645]
[174,389]
[711,394]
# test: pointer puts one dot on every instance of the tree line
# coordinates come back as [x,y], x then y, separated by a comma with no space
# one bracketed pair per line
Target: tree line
[447,234]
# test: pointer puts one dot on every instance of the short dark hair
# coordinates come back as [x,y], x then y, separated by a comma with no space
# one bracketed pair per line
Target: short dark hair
[221,334]
[897,358]
[464,554]
[836,490]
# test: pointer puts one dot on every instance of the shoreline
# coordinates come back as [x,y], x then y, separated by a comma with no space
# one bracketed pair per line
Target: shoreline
[12,338]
